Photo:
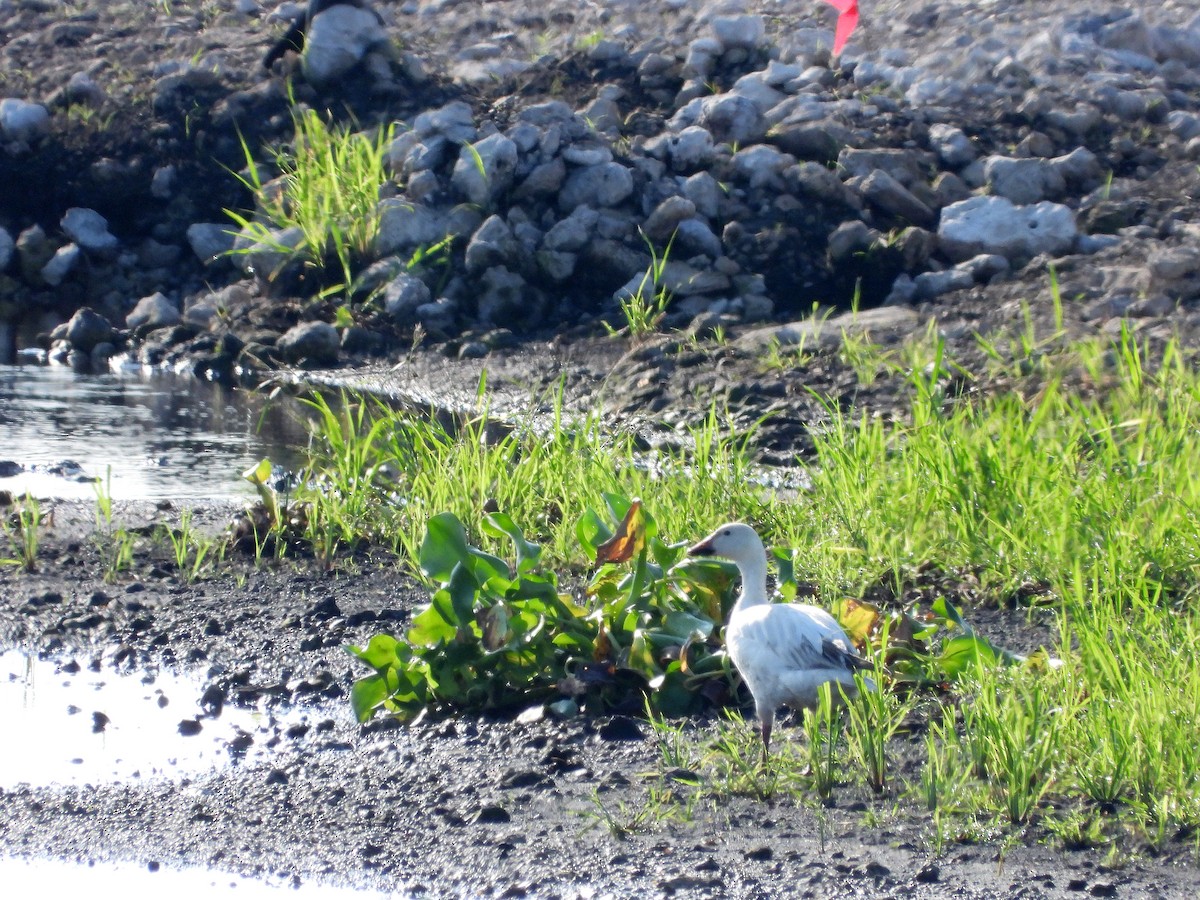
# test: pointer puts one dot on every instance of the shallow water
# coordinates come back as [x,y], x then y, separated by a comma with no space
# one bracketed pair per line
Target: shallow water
[67,724]
[51,878]
[149,437]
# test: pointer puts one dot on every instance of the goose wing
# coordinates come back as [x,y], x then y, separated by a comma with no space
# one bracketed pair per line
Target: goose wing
[796,640]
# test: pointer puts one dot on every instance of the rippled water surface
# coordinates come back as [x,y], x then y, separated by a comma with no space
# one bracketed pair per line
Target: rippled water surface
[160,436]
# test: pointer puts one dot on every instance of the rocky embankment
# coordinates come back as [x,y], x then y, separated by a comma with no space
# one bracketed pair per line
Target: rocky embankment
[937,166]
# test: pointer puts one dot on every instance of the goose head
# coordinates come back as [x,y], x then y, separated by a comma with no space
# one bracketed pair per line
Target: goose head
[741,545]
[734,541]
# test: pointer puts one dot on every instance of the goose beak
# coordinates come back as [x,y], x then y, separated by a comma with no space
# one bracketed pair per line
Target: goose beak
[704,548]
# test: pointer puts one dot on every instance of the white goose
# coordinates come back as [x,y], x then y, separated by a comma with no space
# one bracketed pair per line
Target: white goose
[784,651]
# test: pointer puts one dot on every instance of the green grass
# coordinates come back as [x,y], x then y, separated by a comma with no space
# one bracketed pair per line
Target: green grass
[1081,481]
[328,187]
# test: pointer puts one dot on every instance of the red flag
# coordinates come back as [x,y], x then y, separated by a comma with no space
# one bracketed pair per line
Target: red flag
[847,20]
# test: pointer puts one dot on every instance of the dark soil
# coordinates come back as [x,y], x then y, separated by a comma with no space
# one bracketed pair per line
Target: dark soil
[468,805]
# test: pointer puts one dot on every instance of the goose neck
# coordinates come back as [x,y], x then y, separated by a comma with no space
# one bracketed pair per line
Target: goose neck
[754,583]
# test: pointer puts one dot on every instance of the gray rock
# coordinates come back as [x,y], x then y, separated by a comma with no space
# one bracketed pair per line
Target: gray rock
[906,166]
[485,170]
[89,230]
[573,232]
[1151,307]
[1022,180]
[704,191]
[1185,125]
[162,182]
[155,311]
[754,88]
[21,120]
[210,241]
[666,217]
[589,154]
[817,333]
[951,144]
[935,284]
[690,149]
[7,248]
[492,244]
[426,154]
[850,238]
[761,166]
[544,180]
[87,328]
[61,264]
[701,58]
[437,318]
[506,299]
[312,343]
[996,225]
[557,265]
[403,296]
[336,41]
[33,250]
[265,257]
[543,115]
[1175,263]
[811,179]
[455,121]
[403,227]
[745,32]
[693,237]
[817,141]
[886,193]
[606,185]
[732,119]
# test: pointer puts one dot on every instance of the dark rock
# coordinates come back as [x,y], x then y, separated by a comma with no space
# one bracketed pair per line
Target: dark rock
[88,328]
[313,343]
[621,728]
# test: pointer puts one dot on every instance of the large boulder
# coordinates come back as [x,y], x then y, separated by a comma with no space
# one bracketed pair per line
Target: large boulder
[337,40]
[994,225]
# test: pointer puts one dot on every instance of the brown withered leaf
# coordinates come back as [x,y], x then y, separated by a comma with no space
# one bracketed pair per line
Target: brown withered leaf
[629,539]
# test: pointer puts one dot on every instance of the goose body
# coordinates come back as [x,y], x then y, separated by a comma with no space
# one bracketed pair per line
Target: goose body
[783,651]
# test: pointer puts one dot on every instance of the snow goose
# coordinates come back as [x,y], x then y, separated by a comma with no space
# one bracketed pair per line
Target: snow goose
[783,651]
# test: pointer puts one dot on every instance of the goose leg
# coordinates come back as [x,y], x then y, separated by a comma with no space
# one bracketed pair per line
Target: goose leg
[766,721]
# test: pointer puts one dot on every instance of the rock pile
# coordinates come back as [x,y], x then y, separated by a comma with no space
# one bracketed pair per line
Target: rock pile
[740,171]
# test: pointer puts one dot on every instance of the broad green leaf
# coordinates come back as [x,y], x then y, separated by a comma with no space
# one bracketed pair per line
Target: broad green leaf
[684,625]
[964,653]
[462,590]
[444,546]
[367,695]
[430,628]
[379,653]
[490,571]
[591,532]
[500,524]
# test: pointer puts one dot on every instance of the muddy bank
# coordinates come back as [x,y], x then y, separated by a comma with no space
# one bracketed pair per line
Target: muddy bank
[462,806]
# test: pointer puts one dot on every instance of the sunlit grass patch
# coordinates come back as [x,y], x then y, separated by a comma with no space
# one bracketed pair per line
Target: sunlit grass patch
[1091,495]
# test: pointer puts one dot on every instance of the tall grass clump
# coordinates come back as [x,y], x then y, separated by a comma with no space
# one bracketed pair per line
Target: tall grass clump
[328,188]
[381,473]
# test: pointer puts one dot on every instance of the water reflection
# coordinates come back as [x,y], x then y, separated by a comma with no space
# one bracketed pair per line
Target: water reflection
[164,437]
[67,724]
[51,878]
